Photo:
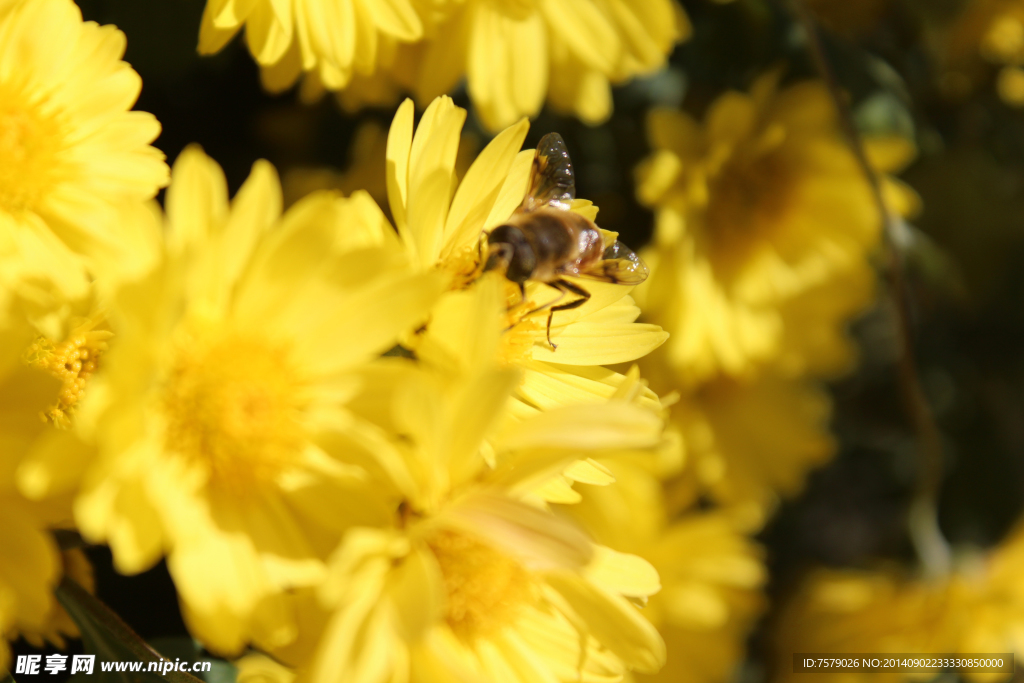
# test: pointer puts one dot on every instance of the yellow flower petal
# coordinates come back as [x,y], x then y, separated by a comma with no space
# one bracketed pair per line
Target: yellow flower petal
[539,539]
[585,343]
[398,149]
[475,414]
[197,201]
[629,575]
[613,621]
[396,17]
[513,189]
[480,188]
[268,33]
[431,170]
[614,425]
[593,39]
[392,307]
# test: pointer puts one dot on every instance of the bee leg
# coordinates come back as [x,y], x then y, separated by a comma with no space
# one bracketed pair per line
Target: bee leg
[522,293]
[566,287]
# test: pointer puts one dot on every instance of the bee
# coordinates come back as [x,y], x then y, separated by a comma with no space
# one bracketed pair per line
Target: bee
[544,241]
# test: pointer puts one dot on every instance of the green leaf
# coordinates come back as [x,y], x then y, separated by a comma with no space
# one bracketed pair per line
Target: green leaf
[191,650]
[111,640]
[221,672]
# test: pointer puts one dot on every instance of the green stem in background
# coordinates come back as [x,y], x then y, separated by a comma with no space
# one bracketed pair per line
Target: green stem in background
[931,546]
[109,638]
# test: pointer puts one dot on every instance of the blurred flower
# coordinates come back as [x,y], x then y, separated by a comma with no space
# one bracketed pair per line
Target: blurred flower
[756,210]
[711,574]
[1003,39]
[441,228]
[513,55]
[329,39]
[978,609]
[70,151]
[761,257]
[751,443]
[214,411]
[848,611]
[985,31]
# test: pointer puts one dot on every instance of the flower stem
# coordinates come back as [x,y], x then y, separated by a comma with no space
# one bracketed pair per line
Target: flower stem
[922,519]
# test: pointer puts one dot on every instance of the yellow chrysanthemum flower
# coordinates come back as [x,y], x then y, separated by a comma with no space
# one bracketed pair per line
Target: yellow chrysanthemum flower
[512,55]
[440,221]
[757,210]
[711,574]
[474,578]
[42,379]
[761,257]
[978,609]
[71,154]
[217,410]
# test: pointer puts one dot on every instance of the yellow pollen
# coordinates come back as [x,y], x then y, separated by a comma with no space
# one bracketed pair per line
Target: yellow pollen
[520,330]
[30,142]
[233,407]
[465,267]
[72,361]
[485,588]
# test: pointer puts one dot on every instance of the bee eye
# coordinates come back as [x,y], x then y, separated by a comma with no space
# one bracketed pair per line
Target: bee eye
[523,263]
[509,244]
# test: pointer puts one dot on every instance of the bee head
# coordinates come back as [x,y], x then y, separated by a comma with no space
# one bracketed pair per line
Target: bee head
[509,248]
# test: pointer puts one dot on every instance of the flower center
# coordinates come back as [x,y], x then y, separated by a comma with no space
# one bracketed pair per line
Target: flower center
[485,588]
[72,361]
[520,333]
[30,141]
[747,202]
[233,407]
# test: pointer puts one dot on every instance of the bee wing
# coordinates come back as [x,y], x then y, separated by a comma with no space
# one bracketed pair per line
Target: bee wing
[551,178]
[619,265]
